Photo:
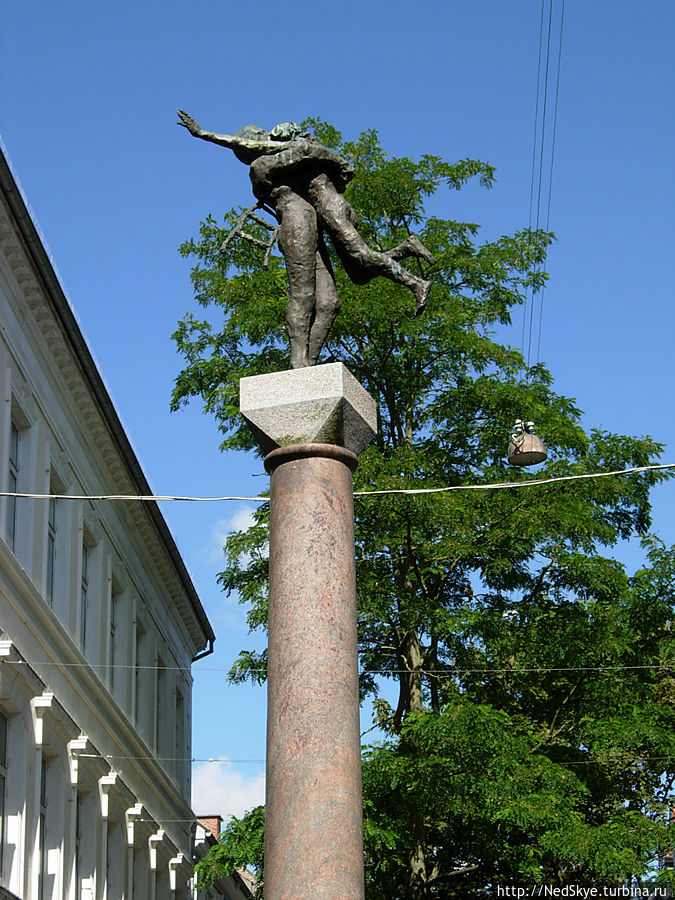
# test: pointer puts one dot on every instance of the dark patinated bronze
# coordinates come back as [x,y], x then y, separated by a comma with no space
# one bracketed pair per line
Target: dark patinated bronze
[301,183]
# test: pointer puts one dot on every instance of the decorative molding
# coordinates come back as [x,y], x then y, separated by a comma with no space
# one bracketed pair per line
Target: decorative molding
[23,398]
[104,785]
[153,842]
[75,748]
[99,762]
[92,525]
[38,706]
[75,383]
[134,812]
[119,575]
[113,731]
[174,864]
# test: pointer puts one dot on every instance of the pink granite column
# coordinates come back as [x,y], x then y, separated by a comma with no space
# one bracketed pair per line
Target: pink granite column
[313,842]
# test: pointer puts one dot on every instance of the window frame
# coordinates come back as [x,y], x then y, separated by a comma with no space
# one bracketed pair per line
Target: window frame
[84,594]
[52,536]
[13,475]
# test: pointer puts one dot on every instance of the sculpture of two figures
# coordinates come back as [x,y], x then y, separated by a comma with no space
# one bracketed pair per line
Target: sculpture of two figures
[301,183]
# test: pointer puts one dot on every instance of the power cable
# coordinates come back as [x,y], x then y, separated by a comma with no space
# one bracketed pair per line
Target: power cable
[514,484]
[489,486]
[539,141]
[535,131]
[541,149]
[190,759]
[448,672]
[563,762]
[550,175]
[451,671]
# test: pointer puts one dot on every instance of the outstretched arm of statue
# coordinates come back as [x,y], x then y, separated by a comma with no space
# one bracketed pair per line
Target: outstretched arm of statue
[231,141]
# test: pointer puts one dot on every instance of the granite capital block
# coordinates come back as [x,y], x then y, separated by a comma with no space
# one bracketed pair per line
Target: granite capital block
[313,405]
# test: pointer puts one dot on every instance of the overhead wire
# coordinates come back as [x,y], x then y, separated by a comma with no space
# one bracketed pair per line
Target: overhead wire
[448,671]
[550,176]
[488,486]
[539,161]
[538,141]
[209,760]
[190,759]
[535,131]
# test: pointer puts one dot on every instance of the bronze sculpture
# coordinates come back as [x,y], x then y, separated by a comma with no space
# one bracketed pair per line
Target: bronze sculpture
[301,182]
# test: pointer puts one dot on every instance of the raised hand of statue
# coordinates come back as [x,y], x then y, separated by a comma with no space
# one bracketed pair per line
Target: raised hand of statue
[188,122]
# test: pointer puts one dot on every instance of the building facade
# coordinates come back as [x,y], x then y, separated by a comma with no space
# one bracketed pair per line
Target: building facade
[99,621]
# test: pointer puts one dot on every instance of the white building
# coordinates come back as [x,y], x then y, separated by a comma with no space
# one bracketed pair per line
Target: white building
[99,621]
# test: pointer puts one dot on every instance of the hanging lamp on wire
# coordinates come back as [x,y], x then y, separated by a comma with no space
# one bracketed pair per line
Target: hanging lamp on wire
[525,448]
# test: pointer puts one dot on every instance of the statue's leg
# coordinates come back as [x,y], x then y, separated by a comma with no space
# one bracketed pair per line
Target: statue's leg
[411,246]
[361,262]
[327,302]
[298,240]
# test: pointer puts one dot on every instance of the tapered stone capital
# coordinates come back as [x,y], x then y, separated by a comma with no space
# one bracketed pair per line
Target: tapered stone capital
[315,405]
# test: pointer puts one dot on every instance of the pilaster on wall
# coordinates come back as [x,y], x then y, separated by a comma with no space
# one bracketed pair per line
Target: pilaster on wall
[104,784]
[153,844]
[174,865]
[131,816]
[38,706]
[74,749]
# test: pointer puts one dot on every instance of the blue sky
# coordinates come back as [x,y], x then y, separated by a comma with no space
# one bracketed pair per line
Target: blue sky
[88,94]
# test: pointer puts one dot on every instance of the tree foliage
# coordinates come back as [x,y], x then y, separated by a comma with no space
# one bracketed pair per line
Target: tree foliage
[531,738]
[241,846]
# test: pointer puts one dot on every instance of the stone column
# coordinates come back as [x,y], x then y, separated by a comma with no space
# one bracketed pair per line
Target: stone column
[319,418]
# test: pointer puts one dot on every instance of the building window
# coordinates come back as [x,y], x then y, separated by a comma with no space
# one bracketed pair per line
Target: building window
[3,781]
[112,639]
[16,480]
[137,674]
[13,484]
[118,654]
[179,739]
[160,699]
[51,546]
[84,589]
[142,684]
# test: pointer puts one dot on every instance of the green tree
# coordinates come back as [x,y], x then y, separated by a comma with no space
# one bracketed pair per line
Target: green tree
[241,846]
[531,738]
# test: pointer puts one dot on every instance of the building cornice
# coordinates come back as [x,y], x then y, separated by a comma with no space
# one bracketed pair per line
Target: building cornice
[61,334]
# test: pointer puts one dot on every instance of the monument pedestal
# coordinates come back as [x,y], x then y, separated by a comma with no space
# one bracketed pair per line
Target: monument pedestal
[313,824]
[316,405]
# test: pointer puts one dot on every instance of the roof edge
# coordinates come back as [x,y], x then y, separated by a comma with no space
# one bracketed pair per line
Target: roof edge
[66,316]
